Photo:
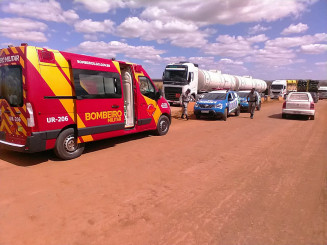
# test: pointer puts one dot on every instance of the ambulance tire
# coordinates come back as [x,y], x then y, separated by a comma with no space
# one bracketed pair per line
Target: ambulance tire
[162,125]
[225,115]
[66,146]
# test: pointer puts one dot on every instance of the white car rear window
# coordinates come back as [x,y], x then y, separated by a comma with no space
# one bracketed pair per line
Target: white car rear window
[299,97]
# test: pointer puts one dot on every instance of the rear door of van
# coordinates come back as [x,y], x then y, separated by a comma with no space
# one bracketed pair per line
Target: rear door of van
[13,113]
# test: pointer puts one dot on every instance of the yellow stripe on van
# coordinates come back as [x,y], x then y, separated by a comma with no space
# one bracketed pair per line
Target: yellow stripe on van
[157,113]
[117,66]
[22,63]
[6,51]
[14,50]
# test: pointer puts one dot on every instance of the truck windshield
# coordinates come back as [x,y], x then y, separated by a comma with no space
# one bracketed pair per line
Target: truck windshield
[243,94]
[11,85]
[277,86]
[179,75]
[214,96]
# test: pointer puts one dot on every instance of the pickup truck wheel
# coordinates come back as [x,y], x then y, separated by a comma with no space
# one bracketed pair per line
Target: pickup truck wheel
[162,125]
[66,146]
[238,111]
[225,115]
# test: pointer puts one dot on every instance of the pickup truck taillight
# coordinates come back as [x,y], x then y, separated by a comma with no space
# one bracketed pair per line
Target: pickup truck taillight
[312,106]
[284,105]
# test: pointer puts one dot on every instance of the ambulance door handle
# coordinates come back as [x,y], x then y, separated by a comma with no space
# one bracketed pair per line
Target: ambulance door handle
[115,106]
[7,111]
[17,112]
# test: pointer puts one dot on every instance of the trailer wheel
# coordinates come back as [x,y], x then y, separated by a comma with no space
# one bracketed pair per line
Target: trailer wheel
[66,146]
[163,125]
[225,115]
[238,111]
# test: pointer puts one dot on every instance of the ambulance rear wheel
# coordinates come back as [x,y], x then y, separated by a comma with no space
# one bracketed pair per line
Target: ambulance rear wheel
[163,125]
[66,146]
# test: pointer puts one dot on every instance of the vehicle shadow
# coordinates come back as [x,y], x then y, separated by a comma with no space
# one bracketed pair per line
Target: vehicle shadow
[289,117]
[30,159]
[26,159]
[111,142]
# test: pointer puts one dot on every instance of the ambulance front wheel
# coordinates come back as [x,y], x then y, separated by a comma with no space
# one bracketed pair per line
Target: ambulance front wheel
[66,145]
[163,125]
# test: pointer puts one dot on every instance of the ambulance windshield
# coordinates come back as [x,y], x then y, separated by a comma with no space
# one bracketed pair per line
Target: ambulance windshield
[11,86]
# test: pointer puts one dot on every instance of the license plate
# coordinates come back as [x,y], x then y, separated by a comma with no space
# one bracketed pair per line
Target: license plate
[204,111]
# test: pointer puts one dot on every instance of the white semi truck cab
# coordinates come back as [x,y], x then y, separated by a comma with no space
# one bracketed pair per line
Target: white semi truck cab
[278,88]
[179,77]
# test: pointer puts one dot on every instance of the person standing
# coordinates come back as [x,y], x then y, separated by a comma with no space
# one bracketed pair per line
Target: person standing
[186,98]
[252,99]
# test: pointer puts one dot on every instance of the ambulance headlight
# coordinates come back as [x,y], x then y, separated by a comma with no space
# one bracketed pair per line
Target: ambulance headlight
[219,106]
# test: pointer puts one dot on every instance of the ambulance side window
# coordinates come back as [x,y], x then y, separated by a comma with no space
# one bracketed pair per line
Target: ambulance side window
[96,84]
[147,88]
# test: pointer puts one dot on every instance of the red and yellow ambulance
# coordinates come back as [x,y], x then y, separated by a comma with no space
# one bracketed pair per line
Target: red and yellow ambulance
[57,100]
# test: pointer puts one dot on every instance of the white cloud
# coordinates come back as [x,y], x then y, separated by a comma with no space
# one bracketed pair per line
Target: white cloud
[45,10]
[89,26]
[314,48]
[299,28]
[233,46]
[258,28]
[111,49]
[179,33]
[101,6]
[224,12]
[205,12]
[324,64]
[23,29]
[289,42]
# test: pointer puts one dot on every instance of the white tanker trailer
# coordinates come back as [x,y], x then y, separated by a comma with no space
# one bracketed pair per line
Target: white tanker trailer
[178,77]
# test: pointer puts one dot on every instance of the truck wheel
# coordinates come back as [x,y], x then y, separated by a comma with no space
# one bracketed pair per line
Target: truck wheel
[238,111]
[162,125]
[225,115]
[66,146]
[259,107]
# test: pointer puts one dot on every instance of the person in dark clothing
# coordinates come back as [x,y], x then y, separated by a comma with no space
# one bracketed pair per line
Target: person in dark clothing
[252,99]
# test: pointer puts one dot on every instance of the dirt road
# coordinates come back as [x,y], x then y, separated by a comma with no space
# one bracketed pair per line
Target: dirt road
[243,181]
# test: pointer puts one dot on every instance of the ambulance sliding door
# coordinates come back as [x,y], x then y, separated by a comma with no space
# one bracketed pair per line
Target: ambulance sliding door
[99,102]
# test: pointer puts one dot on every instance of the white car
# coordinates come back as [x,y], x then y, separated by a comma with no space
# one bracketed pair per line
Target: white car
[299,103]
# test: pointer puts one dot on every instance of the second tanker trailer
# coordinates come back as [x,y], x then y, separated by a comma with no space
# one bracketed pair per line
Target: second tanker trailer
[178,77]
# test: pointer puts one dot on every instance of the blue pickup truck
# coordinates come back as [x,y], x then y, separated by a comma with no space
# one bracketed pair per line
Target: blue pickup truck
[244,104]
[216,104]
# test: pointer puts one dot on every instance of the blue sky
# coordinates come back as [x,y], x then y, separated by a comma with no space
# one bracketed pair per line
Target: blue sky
[267,39]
